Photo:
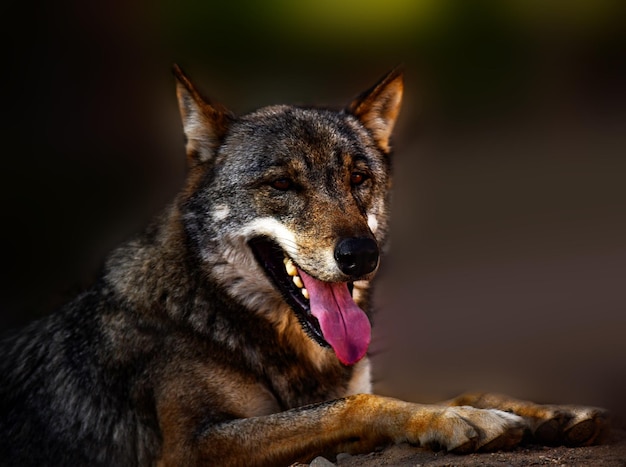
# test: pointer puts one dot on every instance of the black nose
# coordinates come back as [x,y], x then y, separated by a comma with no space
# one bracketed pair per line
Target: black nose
[356,256]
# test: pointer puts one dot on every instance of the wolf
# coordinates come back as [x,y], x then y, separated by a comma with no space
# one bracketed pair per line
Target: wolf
[235,329]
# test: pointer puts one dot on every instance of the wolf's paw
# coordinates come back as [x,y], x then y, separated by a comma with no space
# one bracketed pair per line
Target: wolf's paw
[567,424]
[466,429]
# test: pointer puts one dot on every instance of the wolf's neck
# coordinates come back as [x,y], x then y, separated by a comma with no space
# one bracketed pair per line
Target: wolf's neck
[152,272]
[162,279]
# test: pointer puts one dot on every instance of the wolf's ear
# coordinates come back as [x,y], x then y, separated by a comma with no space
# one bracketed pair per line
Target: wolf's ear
[378,107]
[204,123]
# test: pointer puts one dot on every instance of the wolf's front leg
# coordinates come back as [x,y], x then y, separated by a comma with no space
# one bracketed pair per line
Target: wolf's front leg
[356,424]
[547,424]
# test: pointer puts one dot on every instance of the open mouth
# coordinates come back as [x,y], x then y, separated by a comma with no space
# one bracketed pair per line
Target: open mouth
[283,272]
[325,310]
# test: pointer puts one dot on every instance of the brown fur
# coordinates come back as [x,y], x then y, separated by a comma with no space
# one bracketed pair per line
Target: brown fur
[186,351]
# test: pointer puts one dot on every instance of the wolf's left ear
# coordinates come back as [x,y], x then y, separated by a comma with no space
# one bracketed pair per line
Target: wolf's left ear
[378,107]
[204,123]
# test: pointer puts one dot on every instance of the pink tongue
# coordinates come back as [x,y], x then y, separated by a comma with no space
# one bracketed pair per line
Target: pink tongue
[344,325]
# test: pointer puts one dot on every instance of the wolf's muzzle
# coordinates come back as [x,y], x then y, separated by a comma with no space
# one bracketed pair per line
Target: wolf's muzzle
[356,257]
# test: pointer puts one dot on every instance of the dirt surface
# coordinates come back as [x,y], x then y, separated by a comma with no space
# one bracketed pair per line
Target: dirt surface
[612,453]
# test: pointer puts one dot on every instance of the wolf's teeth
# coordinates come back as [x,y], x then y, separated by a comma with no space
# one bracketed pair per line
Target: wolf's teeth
[298,281]
[305,293]
[291,268]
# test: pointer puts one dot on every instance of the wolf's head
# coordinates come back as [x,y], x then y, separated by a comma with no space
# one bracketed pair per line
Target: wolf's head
[287,206]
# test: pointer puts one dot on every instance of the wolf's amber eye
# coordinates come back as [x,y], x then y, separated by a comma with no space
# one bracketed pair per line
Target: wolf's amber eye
[357,178]
[282,184]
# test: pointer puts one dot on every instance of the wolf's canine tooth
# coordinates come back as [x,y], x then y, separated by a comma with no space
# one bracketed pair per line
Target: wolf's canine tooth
[291,268]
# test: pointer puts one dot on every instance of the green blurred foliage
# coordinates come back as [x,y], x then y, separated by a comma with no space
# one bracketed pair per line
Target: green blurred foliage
[479,53]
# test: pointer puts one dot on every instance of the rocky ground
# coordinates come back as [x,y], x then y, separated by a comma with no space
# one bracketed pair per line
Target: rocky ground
[611,453]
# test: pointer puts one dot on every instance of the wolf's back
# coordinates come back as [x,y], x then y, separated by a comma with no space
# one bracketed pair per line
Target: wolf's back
[62,400]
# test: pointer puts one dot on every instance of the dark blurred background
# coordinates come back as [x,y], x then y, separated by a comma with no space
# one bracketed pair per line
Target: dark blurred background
[507,268]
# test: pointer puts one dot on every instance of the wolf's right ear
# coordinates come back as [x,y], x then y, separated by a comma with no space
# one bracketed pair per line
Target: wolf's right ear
[204,123]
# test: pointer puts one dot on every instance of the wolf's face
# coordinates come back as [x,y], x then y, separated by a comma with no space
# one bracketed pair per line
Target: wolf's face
[291,207]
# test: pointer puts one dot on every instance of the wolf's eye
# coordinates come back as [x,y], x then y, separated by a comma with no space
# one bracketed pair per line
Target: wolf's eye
[357,178]
[282,184]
